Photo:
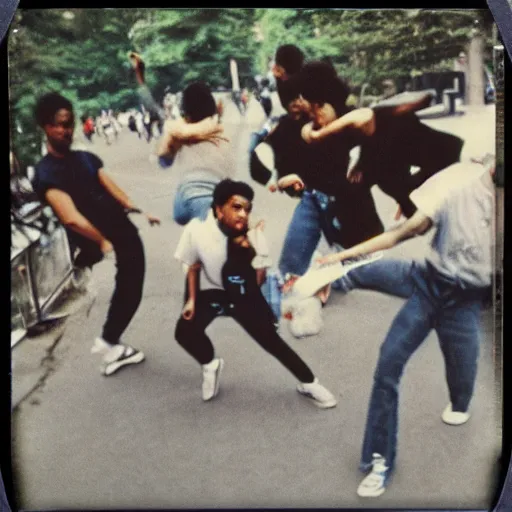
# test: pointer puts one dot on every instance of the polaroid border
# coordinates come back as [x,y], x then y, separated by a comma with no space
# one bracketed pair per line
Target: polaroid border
[499,9]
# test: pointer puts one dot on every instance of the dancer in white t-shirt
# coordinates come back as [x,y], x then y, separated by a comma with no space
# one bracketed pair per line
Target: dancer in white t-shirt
[233,261]
[445,293]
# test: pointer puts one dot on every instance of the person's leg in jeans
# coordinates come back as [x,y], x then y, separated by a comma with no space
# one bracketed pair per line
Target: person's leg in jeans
[408,330]
[257,322]
[256,138]
[127,295]
[190,203]
[458,330]
[390,276]
[302,237]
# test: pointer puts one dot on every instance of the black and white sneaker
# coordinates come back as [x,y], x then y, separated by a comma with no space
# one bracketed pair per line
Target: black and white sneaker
[116,356]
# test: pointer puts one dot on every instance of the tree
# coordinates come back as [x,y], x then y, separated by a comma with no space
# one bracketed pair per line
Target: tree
[80,53]
[183,45]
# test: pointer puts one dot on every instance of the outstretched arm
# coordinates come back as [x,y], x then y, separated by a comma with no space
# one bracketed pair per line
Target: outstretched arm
[362,119]
[398,106]
[178,132]
[145,95]
[418,224]
[121,197]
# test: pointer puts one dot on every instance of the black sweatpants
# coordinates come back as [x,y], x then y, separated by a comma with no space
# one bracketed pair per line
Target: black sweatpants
[254,316]
[130,263]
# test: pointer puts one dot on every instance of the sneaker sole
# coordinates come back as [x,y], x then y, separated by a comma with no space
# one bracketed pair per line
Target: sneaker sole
[321,405]
[110,368]
[318,278]
[375,494]
[217,381]
[455,423]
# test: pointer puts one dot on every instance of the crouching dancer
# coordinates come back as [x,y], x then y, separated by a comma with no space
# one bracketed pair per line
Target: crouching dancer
[228,252]
[445,293]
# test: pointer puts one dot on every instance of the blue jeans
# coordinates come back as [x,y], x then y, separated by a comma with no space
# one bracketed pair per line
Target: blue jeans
[433,303]
[193,200]
[256,138]
[303,234]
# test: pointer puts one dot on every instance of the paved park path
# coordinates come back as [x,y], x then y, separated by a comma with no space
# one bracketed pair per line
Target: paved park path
[144,439]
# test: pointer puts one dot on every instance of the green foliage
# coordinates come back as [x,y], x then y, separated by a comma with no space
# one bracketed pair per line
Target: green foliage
[82,53]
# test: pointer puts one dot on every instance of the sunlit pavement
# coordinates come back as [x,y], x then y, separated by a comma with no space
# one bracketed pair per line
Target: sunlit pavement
[143,438]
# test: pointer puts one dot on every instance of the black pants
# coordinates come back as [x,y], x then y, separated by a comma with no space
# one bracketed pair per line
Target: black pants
[266,104]
[254,316]
[130,263]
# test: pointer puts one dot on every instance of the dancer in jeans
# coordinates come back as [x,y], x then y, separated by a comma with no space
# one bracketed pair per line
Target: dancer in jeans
[93,209]
[193,146]
[328,200]
[445,293]
[234,271]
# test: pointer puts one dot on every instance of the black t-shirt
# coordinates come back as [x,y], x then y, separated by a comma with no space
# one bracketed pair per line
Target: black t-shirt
[402,141]
[291,152]
[77,175]
[323,166]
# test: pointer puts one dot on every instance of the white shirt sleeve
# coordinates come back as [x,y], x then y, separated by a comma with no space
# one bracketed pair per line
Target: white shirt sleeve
[187,252]
[259,242]
[430,197]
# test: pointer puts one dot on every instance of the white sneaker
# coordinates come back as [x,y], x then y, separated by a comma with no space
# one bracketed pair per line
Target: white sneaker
[211,378]
[115,356]
[358,261]
[454,417]
[374,484]
[320,396]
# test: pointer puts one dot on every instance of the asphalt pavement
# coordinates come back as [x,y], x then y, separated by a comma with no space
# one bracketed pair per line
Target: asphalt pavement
[143,438]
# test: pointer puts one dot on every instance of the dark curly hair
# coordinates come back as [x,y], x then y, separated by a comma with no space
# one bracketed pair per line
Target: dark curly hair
[48,105]
[228,188]
[198,102]
[319,83]
[290,57]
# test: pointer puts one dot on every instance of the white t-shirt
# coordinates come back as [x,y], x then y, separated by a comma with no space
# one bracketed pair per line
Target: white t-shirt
[203,241]
[460,201]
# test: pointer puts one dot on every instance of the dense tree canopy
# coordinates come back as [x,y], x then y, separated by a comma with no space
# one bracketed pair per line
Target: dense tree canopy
[83,52]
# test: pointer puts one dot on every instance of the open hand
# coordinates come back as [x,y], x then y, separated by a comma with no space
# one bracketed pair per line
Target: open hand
[354,175]
[260,225]
[214,138]
[188,310]
[152,220]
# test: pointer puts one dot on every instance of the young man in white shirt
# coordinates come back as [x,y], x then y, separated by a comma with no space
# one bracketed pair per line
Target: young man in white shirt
[444,293]
[233,276]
